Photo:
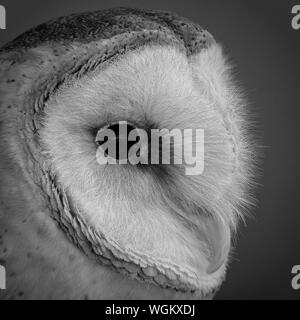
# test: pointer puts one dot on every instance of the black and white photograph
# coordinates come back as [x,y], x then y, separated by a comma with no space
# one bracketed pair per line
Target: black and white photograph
[149,151]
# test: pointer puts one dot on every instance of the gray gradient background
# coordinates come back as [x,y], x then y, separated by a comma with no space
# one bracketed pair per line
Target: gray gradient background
[266,52]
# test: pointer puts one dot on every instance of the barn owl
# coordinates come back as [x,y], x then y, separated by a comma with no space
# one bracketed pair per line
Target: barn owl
[72,229]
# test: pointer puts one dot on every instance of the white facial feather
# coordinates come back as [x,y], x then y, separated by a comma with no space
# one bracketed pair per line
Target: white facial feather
[174,221]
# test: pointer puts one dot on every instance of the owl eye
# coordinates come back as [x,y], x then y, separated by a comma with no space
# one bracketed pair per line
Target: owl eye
[118,144]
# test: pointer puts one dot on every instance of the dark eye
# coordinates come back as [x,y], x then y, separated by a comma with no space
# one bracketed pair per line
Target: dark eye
[121,142]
